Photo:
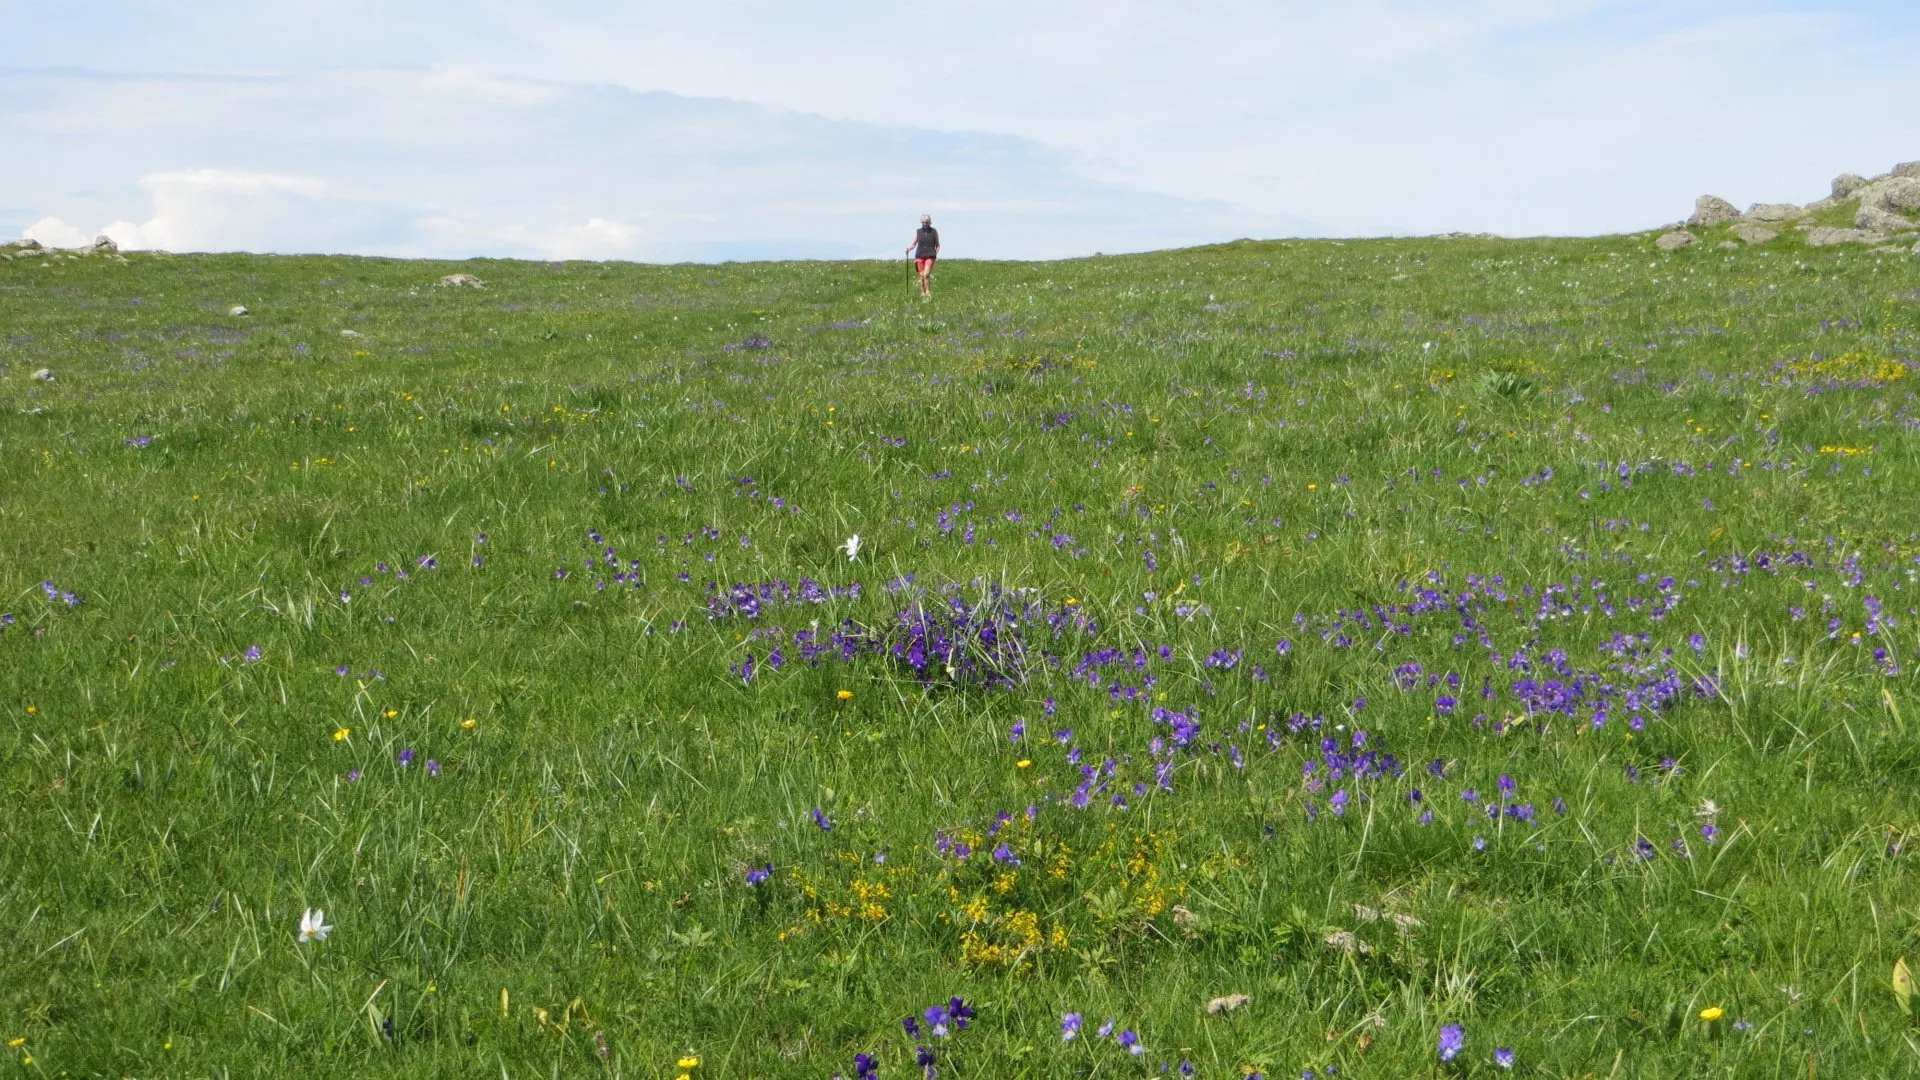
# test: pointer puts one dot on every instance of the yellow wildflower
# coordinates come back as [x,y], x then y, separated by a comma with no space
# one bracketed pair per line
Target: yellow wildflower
[688,1062]
[340,735]
[1023,763]
[844,695]
[1712,1013]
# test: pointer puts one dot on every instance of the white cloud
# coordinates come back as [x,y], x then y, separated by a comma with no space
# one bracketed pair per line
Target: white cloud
[221,210]
[55,233]
[411,163]
[597,239]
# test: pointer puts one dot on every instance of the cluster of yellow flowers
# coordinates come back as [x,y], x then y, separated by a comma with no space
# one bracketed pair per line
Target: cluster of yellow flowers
[1849,367]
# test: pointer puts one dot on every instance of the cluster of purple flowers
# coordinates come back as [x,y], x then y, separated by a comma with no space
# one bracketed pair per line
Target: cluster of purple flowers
[421,563]
[935,1022]
[987,636]
[1362,757]
[748,601]
[1071,1025]
[56,594]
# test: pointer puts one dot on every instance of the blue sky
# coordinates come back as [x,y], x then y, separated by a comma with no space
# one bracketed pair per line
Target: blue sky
[750,129]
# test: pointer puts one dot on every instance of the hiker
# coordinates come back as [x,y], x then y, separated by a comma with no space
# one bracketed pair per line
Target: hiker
[925,248]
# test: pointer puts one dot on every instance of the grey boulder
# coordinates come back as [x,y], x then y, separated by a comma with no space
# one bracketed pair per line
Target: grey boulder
[239,311]
[1753,233]
[1907,168]
[460,280]
[1712,210]
[1828,236]
[1773,212]
[1885,204]
[1846,184]
[1675,241]
[43,375]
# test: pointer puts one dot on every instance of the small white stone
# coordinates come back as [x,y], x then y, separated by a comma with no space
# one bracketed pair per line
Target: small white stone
[238,310]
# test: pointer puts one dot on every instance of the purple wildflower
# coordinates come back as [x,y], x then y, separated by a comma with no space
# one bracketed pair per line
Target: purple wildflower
[1453,1039]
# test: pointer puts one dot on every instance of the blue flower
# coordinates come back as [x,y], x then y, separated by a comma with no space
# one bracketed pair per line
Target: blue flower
[1453,1039]
[821,819]
[1070,1027]
[1503,1057]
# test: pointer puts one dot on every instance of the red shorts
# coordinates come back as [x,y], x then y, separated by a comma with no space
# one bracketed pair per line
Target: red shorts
[923,265]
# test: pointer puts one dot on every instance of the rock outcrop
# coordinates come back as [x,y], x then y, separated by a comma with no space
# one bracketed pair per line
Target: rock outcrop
[456,281]
[1828,236]
[1710,210]
[1884,208]
[1885,204]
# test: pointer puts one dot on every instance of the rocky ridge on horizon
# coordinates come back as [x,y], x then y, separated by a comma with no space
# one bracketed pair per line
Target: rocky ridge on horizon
[1883,210]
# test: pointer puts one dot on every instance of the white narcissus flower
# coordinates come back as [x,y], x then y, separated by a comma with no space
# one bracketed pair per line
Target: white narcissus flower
[852,547]
[313,926]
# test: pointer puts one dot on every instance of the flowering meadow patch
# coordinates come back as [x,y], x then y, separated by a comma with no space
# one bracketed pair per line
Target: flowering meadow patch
[1394,658]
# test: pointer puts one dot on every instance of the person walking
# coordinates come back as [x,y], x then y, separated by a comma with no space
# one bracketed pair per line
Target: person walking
[925,248]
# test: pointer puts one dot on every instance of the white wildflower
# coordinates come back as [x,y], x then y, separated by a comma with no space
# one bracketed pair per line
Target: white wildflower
[313,926]
[852,547]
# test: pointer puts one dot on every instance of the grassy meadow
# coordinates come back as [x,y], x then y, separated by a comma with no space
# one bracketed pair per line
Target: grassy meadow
[1394,658]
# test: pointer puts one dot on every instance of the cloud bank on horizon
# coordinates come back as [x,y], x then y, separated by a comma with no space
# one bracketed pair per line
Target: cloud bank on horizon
[750,129]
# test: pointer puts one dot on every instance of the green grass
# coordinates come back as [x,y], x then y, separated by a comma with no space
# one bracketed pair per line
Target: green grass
[1268,438]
